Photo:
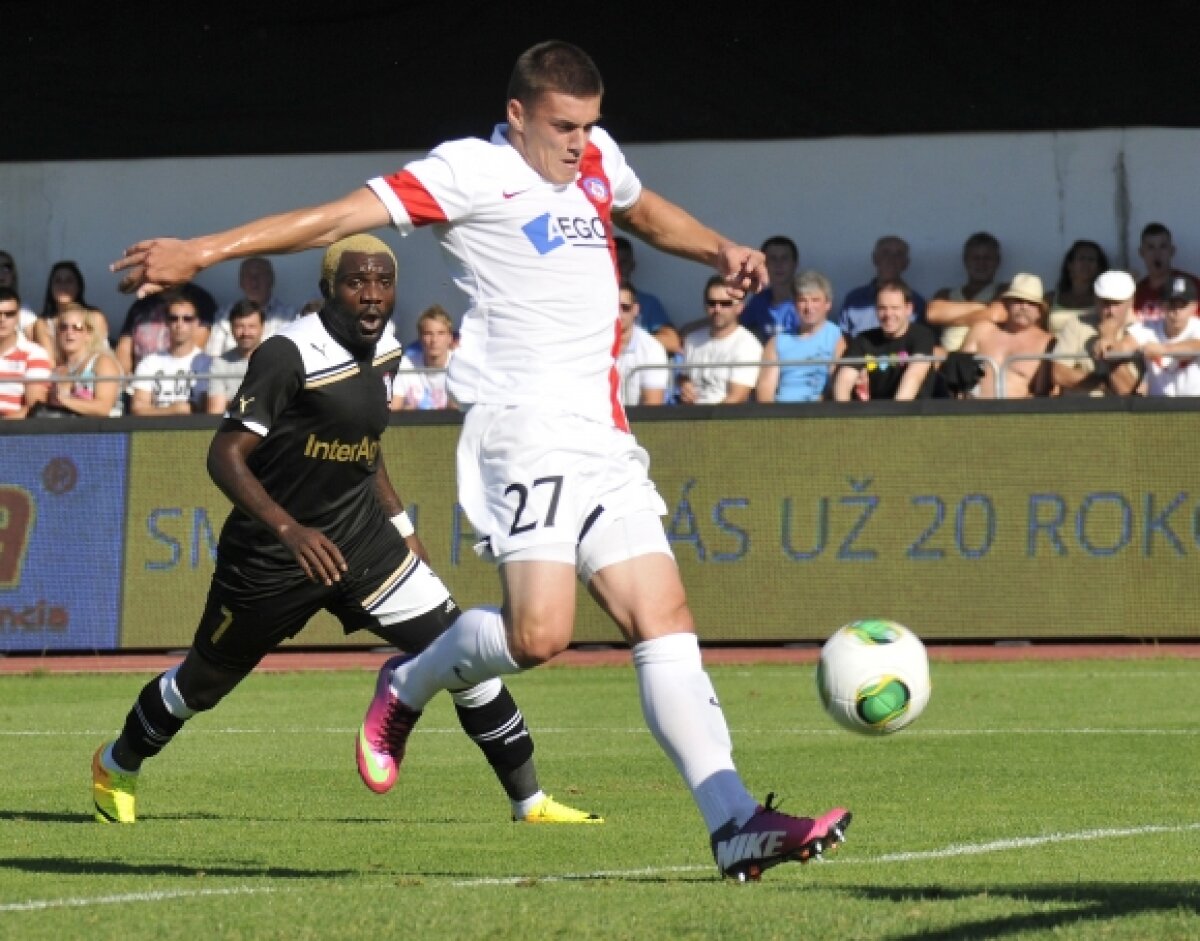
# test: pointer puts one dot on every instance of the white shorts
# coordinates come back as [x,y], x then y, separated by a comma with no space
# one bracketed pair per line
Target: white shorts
[543,484]
[410,590]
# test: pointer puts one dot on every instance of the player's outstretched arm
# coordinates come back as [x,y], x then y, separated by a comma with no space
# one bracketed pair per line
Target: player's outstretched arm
[672,229]
[153,264]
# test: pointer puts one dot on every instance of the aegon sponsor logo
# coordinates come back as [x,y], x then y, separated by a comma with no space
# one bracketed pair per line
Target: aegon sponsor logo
[366,450]
[548,232]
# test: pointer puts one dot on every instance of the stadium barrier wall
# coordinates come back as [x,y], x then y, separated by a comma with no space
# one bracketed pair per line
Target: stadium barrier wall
[965,520]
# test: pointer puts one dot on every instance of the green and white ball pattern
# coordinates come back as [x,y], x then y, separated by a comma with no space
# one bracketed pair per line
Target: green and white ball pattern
[873,676]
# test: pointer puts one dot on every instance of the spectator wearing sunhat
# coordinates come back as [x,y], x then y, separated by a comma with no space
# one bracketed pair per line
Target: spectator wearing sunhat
[1021,333]
[1171,346]
[1094,336]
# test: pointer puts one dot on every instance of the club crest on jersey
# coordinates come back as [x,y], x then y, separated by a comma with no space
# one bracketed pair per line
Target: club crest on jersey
[596,188]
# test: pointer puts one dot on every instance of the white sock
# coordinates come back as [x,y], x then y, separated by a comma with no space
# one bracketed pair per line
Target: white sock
[473,650]
[109,762]
[685,717]
[521,808]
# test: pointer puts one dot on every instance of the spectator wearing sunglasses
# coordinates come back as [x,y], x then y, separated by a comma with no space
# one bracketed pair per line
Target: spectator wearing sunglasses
[167,383]
[20,360]
[721,359]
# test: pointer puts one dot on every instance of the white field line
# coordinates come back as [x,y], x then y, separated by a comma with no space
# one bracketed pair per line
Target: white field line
[957,849]
[637,730]
[947,852]
[1023,842]
[162,896]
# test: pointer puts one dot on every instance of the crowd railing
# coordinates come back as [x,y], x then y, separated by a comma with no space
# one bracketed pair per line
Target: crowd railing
[999,369]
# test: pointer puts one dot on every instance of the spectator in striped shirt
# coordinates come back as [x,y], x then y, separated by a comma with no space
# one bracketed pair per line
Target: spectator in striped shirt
[20,359]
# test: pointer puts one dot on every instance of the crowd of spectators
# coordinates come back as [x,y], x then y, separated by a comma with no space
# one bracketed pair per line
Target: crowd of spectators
[1097,331]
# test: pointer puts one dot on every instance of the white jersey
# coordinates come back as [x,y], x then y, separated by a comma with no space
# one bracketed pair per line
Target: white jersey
[422,390]
[1170,375]
[701,349]
[643,350]
[537,264]
[171,379]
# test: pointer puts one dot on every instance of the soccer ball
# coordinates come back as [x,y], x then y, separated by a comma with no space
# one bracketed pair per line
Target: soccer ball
[873,676]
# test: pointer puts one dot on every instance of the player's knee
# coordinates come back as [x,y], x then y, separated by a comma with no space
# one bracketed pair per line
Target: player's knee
[201,684]
[534,642]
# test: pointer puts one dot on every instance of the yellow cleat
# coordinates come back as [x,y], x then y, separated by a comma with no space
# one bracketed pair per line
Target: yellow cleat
[113,792]
[551,811]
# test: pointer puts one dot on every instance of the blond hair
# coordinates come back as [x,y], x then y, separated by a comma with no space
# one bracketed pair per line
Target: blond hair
[367,244]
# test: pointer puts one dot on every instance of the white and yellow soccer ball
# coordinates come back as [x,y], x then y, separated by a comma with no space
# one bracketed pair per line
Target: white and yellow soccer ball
[873,676]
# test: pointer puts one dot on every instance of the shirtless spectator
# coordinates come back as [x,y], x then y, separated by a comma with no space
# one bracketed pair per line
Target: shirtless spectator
[1157,251]
[888,374]
[1170,347]
[1019,333]
[638,350]
[1092,336]
[710,353]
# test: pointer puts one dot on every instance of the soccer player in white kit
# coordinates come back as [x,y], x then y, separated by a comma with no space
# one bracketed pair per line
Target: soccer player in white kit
[548,471]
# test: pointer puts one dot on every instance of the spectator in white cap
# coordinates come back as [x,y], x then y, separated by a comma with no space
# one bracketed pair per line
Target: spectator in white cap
[1095,335]
[1021,333]
[1170,347]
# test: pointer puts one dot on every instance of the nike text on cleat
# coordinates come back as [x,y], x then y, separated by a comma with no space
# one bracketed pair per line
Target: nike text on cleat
[551,811]
[384,732]
[770,838]
[113,793]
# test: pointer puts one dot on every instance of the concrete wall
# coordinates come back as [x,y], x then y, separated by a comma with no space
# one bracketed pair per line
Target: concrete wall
[1037,192]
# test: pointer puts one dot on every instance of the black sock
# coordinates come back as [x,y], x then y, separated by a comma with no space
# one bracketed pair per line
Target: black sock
[498,728]
[149,727]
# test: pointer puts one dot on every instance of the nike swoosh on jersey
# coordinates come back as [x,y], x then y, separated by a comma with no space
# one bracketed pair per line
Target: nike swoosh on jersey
[507,195]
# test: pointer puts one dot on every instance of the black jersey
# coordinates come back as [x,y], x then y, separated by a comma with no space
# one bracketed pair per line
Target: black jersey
[321,413]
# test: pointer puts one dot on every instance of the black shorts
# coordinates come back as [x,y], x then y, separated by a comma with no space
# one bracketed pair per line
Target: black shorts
[251,611]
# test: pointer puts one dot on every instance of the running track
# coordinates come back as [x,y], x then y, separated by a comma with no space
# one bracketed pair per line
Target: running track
[585,656]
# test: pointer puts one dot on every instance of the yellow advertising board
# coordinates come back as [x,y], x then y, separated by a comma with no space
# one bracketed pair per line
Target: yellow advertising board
[961,525]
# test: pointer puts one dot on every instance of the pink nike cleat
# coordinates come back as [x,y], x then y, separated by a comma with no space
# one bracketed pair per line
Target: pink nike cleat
[769,838]
[384,732]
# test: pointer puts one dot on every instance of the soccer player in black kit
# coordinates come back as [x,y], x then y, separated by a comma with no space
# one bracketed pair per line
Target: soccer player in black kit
[316,524]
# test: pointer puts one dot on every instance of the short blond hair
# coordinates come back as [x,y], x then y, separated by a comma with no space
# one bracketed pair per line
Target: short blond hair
[368,244]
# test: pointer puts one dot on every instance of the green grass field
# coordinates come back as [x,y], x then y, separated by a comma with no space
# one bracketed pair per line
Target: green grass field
[1032,800]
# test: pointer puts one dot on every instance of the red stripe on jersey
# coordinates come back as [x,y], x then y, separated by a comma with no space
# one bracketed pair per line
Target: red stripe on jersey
[421,207]
[597,189]
[614,383]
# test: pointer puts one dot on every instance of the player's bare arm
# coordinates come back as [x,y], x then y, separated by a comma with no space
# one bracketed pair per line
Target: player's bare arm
[392,506]
[154,264]
[315,553]
[672,229]
[964,313]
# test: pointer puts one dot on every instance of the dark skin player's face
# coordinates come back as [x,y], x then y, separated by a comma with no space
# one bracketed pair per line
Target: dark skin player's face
[363,294]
